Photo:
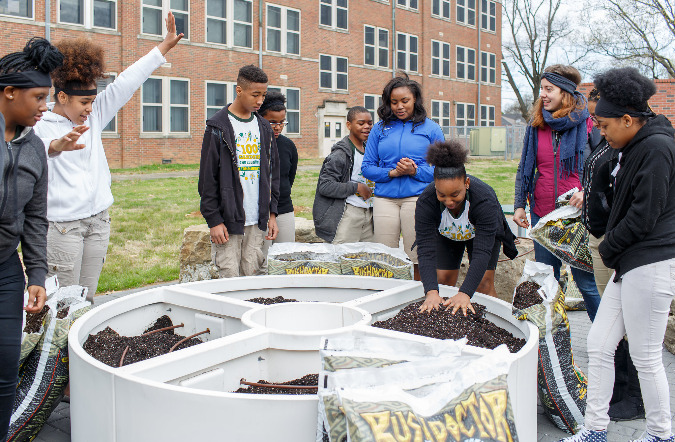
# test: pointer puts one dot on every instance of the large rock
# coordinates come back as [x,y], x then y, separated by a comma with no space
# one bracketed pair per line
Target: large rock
[669,339]
[195,255]
[304,231]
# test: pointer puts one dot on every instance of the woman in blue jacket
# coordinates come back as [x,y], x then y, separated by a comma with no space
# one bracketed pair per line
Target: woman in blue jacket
[395,160]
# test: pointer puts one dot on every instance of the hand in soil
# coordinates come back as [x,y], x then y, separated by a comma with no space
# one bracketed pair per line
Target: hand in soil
[432,302]
[460,301]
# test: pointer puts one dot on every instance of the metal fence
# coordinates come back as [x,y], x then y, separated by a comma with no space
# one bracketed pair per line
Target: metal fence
[508,144]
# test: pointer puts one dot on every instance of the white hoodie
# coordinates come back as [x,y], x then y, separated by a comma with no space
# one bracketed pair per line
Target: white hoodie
[79,181]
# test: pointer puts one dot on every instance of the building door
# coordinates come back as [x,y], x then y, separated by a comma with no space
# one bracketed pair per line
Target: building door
[334,129]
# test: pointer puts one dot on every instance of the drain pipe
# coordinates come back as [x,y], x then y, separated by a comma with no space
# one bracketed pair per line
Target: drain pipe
[478,57]
[393,39]
[260,33]
[48,30]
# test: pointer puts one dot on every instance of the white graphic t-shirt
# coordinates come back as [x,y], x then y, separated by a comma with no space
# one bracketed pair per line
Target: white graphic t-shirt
[357,177]
[457,229]
[247,137]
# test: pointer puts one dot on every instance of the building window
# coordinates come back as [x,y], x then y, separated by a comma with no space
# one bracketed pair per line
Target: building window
[466,63]
[440,8]
[235,31]
[406,52]
[372,103]
[333,72]
[17,8]
[101,84]
[488,67]
[407,4]
[376,42]
[88,13]
[333,13]
[218,95]
[487,115]
[440,113]
[165,105]
[440,58]
[488,15]
[283,30]
[154,12]
[292,108]
[465,116]
[466,12]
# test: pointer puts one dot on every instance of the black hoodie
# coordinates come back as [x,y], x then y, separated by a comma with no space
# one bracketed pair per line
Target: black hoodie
[641,225]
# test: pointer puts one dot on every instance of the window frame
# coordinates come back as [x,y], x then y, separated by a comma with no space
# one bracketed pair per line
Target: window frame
[334,73]
[441,59]
[490,18]
[283,30]
[229,94]
[166,108]
[23,17]
[104,131]
[407,52]
[284,90]
[465,12]
[439,117]
[407,6]
[466,113]
[488,120]
[87,15]
[465,63]
[377,100]
[376,47]
[489,68]
[440,9]
[334,15]
[165,8]
[229,25]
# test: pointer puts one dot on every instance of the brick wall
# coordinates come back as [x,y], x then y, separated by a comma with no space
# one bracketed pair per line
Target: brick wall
[200,62]
[663,102]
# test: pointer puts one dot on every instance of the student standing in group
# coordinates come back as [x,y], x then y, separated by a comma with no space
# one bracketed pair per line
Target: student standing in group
[395,160]
[456,212]
[553,157]
[79,193]
[239,179]
[342,208]
[639,245]
[25,83]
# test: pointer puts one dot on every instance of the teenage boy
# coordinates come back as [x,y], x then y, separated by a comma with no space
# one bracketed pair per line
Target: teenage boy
[343,208]
[239,179]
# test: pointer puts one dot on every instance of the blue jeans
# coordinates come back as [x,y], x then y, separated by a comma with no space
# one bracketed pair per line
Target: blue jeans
[585,281]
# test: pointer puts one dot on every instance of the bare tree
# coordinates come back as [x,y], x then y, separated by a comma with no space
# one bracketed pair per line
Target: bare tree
[639,33]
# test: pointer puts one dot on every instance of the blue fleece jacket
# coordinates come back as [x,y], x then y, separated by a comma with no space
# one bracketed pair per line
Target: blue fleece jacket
[388,144]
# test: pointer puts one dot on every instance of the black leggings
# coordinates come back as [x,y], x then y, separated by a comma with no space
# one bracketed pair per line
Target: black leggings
[11,302]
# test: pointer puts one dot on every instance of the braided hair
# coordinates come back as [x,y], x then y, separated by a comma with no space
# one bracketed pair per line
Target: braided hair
[37,55]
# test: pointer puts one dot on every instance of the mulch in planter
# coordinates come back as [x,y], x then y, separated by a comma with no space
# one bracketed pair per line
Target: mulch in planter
[526,295]
[34,320]
[307,380]
[270,301]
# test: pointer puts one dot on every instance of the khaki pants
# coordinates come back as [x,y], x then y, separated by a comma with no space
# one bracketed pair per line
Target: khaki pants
[393,217]
[242,255]
[76,250]
[286,224]
[356,225]
[601,273]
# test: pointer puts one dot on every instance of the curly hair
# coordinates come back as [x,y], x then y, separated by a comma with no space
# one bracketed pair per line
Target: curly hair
[419,112]
[82,66]
[449,158]
[251,74]
[625,87]
[594,95]
[274,101]
[569,104]
[37,55]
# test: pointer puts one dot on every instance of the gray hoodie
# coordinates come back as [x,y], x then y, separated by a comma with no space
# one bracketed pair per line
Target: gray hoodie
[23,202]
[333,188]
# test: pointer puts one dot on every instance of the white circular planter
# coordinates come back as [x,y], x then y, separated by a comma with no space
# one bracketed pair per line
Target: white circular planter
[187,395]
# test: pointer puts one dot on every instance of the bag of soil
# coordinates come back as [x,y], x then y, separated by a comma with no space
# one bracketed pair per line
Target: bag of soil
[562,233]
[33,323]
[574,301]
[302,259]
[43,374]
[348,352]
[442,399]
[374,259]
[561,385]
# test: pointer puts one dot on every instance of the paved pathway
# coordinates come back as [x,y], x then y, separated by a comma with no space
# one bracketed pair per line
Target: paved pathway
[57,428]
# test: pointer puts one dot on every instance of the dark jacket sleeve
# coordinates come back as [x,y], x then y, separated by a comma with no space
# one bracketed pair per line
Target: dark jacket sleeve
[294,163]
[274,188]
[34,237]
[427,219]
[330,179]
[649,186]
[209,177]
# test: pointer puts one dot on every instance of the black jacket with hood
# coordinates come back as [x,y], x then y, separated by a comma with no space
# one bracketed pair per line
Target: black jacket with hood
[641,225]
[23,202]
[222,196]
[333,188]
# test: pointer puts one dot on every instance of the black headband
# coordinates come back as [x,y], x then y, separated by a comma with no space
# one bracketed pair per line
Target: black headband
[82,92]
[562,82]
[25,79]
[443,172]
[607,109]
[274,103]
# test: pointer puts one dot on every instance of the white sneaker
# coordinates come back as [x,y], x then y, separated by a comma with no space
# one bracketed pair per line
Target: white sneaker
[586,435]
[646,437]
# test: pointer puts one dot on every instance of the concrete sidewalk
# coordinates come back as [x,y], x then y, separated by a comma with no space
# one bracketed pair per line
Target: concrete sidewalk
[57,428]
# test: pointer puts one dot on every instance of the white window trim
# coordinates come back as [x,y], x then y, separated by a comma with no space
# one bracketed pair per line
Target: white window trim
[376,46]
[466,113]
[334,73]
[112,132]
[165,11]
[440,4]
[229,23]
[88,16]
[487,113]
[284,90]
[407,6]
[486,13]
[166,107]
[488,68]
[284,29]
[407,52]
[228,89]
[376,98]
[466,64]
[439,118]
[334,8]
[21,17]
[441,59]
[466,14]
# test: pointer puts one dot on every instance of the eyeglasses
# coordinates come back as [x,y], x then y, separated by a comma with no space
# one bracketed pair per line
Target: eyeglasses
[282,124]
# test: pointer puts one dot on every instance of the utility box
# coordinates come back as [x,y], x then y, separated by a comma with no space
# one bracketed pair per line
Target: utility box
[488,141]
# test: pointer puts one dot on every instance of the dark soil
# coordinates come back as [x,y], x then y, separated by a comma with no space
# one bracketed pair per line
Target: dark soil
[107,345]
[62,309]
[270,301]
[34,320]
[310,379]
[526,295]
[442,324]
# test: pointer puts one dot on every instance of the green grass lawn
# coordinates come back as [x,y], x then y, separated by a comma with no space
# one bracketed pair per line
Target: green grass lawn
[148,218]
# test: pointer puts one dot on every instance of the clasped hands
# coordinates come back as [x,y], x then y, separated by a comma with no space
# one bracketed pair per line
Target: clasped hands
[405,166]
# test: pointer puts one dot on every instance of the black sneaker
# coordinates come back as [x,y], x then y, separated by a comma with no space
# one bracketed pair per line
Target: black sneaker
[627,409]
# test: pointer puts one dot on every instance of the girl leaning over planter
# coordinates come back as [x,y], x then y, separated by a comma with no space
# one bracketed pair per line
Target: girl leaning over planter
[639,245]
[553,157]
[79,182]
[395,160]
[455,212]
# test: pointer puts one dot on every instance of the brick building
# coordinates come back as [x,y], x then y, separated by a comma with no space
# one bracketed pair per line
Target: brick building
[325,55]
[663,102]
